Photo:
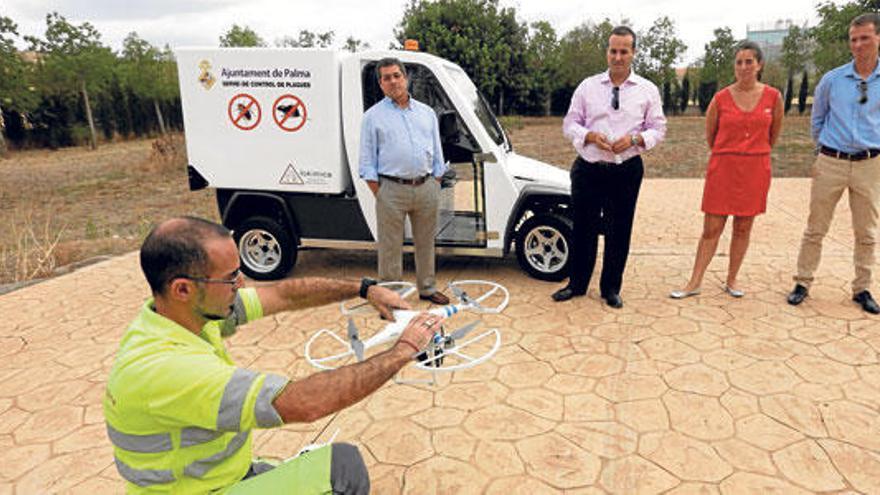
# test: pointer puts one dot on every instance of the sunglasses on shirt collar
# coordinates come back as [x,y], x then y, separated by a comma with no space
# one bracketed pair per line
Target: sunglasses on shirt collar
[615,97]
[863,92]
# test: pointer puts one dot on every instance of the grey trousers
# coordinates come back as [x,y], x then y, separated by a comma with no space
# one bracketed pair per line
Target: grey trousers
[394,202]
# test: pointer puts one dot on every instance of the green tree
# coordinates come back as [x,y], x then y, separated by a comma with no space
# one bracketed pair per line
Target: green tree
[241,36]
[307,39]
[353,44]
[149,73]
[483,38]
[581,54]
[582,51]
[831,34]
[544,65]
[789,95]
[658,51]
[796,49]
[774,74]
[16,93]
[718,58]
[73,61]
[705,92]
[685,93]
[802,94]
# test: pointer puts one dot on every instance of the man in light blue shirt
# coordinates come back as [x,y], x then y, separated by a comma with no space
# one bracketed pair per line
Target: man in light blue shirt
[402,161]
[846,129]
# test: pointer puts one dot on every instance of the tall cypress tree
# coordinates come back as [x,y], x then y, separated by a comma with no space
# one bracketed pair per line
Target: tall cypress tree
[685,93]
[789,93]
[802,94]
[667,97]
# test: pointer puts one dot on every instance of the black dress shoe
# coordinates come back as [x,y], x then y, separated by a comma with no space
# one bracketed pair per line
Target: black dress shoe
[566,293]
[613,300]
[797,295]
[436,298]
[867,302]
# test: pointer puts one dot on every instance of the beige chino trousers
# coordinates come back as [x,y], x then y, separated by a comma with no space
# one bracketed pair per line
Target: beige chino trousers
[831,176]
[394,202]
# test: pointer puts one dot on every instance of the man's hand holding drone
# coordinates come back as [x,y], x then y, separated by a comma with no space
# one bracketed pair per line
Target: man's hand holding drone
[418,333]
[385,301]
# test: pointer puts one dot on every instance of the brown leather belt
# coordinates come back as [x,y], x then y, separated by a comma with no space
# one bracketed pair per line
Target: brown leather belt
[418,181]
[853,157]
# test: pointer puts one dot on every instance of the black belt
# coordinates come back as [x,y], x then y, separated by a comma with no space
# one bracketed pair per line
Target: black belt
[853,157]
[418,181]
[609,164]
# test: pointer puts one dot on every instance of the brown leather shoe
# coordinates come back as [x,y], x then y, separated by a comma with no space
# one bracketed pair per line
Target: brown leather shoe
[436,298]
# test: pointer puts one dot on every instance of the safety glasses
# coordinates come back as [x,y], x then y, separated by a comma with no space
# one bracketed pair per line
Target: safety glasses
[233,281]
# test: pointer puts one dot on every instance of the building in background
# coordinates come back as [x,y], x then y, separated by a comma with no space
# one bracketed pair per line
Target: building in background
[770,36]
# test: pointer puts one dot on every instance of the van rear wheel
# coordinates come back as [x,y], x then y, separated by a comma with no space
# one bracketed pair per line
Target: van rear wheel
[543,246]
[266,248]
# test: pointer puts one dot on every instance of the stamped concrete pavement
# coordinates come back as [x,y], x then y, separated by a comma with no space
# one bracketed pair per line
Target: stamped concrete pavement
[705,395]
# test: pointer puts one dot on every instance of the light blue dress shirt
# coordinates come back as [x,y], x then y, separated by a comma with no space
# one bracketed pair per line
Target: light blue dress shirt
[839,121]
[400,142]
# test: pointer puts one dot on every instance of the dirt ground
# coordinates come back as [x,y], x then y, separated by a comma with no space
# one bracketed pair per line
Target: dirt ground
[62,207]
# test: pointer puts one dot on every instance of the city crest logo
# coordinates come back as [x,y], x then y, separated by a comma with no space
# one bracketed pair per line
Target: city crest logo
[206,78]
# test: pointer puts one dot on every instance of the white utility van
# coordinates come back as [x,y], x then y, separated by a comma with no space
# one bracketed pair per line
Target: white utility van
[276,132]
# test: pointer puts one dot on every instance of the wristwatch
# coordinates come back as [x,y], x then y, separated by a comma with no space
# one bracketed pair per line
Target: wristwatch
[634,139]
[366,283]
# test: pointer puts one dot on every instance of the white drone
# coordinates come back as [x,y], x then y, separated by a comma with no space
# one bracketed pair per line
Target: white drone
[447,350]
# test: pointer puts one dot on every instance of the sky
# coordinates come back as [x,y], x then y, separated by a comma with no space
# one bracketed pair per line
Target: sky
[201,22]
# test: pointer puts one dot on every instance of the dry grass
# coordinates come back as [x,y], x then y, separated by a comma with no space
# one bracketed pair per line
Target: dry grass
[684,153]
[65,206]
[31,251]
[93,203]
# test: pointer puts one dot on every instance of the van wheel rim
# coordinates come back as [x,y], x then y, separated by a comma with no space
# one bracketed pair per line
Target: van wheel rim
[546,249]
[260,250]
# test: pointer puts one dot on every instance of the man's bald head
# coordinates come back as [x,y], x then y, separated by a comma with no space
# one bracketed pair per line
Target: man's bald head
[175,248]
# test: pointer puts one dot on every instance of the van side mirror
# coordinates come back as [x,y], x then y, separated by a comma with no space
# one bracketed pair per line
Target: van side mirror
[448,126]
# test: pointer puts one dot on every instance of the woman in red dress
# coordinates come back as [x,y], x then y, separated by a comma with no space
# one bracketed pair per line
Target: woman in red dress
[742,125]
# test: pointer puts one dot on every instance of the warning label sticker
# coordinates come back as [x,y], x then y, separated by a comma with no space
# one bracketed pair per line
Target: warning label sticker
[289,113]
[244,111]
[291,176]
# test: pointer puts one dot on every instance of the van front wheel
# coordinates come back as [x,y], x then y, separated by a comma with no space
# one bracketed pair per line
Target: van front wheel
[543,246]
[267,250]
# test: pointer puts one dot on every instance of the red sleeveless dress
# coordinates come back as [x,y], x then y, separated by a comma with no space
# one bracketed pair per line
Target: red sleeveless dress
[738,175]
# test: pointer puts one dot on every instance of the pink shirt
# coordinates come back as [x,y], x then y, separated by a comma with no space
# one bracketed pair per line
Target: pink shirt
[640,112]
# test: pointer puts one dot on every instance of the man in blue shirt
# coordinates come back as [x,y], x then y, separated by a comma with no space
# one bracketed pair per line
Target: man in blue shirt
[846,129]
[402,161]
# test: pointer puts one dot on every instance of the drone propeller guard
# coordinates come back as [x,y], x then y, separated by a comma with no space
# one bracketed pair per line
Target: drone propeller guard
[451,351]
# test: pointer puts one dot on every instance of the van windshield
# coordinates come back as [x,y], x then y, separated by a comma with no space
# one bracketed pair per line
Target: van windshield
[478,104]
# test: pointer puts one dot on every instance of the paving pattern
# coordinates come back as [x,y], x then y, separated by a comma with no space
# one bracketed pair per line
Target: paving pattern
[706,395]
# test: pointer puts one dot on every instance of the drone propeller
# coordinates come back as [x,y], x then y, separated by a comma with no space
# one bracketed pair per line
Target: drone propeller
[461,332]
[456,356]
[356,345]
[462,295]
[491,297]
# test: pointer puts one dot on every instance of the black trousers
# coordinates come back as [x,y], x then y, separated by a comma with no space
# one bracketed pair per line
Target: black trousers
[603,195]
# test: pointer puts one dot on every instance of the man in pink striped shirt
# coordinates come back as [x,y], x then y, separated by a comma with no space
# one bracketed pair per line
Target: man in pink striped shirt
[614,117]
